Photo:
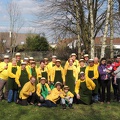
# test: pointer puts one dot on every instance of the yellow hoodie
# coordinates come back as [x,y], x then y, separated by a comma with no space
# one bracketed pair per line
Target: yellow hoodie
[27,88]
[55,95]
[3,72]
[89,84]
[38,91]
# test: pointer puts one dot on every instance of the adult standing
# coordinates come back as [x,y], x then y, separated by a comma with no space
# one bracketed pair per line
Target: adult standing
[12,85]
[57,73]
[91,72]
[42,71]
[82,66]
[23,76]
[117,74]
[71,75]
[73,56]
[86,58]
[105,80]
[4,77]
[18,58]
[115,65]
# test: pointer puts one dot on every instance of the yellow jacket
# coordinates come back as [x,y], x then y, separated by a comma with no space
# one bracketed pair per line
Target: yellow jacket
[27,88]
[68,94]
[76,63]
[94,69]
[89,83]
[3,72]
[18,74]
[50,66]
[96,65]
[75,72]
[55,68]
[10,74]
[38,91]
[55,95]
[40,70]
[78,68]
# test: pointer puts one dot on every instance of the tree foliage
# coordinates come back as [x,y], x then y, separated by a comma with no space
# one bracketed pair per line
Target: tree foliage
[37,43]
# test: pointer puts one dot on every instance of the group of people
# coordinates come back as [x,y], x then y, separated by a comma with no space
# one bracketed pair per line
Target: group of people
[48,83]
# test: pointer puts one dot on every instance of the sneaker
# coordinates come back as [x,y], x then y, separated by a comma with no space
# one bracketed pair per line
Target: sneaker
[64,106]
[70,106]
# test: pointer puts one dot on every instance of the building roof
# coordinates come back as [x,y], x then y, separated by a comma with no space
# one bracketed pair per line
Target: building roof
[98,41]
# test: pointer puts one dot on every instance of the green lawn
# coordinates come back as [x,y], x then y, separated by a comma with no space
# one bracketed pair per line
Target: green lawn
[96,111]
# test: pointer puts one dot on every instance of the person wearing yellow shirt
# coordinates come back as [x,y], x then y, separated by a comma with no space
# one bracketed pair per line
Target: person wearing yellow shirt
[12,85]
[96,62]
[86,58]
[92,73]
[46,62]
[73,57]
[68,98]
[42,71]
[83,89]
[51,64]
[42,90]
[27,94]
[82,66]
[23,76]
[33,70]
[71,75]
[57,73]
[54,96]
[18,59]
[4,77]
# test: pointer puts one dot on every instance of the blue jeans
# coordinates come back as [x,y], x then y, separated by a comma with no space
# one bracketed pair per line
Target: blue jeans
[12,95]
[48,103]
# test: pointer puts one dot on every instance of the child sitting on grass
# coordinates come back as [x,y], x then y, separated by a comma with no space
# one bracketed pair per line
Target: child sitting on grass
[68,99]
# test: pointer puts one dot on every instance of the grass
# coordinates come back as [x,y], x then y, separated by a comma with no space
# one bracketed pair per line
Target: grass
[96,111]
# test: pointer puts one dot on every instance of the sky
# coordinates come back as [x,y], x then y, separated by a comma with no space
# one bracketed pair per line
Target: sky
[29,9]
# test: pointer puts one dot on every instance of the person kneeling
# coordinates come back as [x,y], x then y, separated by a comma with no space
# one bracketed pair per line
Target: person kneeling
[43,90]
[83,89]
[54,96]
[27,94]
[68,98]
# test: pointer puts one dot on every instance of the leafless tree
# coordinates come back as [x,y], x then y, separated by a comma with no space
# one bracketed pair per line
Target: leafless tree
[16,22]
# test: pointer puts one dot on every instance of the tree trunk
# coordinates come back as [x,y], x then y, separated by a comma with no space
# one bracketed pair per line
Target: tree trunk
[91,29]
[77,29]
[111,30]
[105,30]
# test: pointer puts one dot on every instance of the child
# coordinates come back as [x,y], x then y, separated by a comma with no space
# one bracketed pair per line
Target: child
[109,68]
[68,99]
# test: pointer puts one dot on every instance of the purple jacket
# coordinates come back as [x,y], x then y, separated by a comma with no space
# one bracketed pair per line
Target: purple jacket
[102,71]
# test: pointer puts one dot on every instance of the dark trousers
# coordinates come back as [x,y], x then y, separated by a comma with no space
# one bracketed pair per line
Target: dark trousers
[118,86]
[24,102]
[105,84]
[114,88]
[38,100]
[48,103]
